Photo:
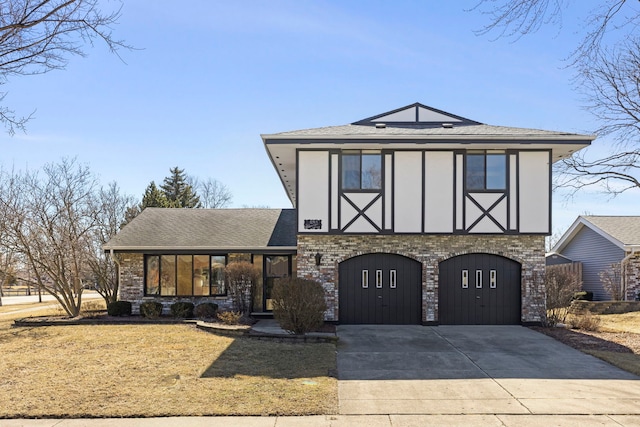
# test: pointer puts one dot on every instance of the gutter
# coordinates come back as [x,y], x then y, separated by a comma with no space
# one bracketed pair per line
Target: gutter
[625,260]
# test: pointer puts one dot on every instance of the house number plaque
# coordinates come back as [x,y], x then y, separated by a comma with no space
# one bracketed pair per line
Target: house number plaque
[312,224]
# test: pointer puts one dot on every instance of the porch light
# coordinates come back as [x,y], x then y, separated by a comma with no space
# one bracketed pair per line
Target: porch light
[318,258]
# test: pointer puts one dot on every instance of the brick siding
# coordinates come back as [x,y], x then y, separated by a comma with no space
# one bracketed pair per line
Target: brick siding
[430,250]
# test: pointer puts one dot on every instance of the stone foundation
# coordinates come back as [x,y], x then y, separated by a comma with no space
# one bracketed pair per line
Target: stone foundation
[429,250]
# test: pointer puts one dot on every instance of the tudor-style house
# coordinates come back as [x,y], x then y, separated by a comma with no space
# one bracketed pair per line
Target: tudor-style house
[414,216]
[421,216]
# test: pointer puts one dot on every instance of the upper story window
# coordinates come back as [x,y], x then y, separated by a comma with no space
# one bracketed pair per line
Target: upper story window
[486,171]
[361,170]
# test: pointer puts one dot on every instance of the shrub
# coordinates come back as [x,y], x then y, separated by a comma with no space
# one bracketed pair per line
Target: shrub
[611,279]
[230,317]
[119,308]
[586,322]
[182,309]
[560,287]
[298,304]
[206,310]
[242,278]
[151,309]
[583,296]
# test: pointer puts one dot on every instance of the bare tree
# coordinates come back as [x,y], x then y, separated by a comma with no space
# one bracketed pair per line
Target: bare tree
[560,285]
[606,61]
[611,279]
[38,36]
[213,193]
[112,207]
[50,224]
[242,278]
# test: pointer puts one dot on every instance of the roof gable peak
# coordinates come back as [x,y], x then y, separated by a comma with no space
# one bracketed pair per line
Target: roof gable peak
[416,115]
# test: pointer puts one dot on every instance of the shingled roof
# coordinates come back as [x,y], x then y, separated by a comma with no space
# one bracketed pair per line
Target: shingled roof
[623,231]
[163,229]
[413,127]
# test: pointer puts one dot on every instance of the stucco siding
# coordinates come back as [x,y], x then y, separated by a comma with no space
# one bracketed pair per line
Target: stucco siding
[596,254]
[313,197]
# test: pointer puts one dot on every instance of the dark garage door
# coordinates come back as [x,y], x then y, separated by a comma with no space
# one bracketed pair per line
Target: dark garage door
[479,289]
[380,289]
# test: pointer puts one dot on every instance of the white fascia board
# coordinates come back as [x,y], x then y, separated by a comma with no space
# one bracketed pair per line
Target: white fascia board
[431,137]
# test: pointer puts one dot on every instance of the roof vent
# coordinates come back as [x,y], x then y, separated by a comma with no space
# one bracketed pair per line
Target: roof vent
[381,125]
[447,125]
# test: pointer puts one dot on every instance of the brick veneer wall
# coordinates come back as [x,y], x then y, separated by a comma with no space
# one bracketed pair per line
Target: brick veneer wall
[633,277]
[429,250]
[132,286]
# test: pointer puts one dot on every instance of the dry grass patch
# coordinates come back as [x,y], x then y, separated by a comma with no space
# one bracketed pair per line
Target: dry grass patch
[627,322]
[159,370]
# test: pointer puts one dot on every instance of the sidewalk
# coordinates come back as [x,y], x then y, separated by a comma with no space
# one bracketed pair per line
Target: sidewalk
[344,421]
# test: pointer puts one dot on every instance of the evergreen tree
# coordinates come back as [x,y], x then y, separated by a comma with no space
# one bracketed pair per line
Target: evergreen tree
[154,198]
[178,192]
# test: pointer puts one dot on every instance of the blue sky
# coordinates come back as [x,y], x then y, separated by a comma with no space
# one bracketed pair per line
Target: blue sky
[209,77]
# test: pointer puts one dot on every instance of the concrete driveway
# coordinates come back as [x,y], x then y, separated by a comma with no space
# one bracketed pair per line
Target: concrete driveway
[508,370]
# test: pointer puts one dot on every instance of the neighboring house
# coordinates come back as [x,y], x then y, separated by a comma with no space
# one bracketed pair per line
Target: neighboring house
[414,216]
[599,242]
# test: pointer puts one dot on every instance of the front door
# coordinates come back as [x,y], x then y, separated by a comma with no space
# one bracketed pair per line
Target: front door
[380,289]
[275,266]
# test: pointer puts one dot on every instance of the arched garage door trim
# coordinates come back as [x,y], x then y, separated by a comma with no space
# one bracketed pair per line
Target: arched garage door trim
[380,288]
[479,289]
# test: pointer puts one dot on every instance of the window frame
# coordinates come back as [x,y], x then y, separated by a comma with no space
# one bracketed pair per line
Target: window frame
[361,160]
[159,286]
[486,177]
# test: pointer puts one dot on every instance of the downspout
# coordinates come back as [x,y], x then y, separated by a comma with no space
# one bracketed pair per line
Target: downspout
[623,276]
[115,261]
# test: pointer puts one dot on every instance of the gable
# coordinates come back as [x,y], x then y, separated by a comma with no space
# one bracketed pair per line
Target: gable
[416,115]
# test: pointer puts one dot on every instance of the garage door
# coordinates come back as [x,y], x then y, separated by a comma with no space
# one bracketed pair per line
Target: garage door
[380,289]
[479,289]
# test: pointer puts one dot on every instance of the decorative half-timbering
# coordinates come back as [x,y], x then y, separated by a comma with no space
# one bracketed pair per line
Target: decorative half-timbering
[415,182]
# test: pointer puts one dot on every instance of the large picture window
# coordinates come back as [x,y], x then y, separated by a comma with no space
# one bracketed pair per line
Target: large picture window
[361,170]
[184,275]
[486,171]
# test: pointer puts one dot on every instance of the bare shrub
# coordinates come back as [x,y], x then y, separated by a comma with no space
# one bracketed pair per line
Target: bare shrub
[611,279]
[230,317]
[298,304]
[242,278]
[586,322]
[560,286]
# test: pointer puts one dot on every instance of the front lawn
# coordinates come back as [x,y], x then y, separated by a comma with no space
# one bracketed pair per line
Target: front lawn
[159,370]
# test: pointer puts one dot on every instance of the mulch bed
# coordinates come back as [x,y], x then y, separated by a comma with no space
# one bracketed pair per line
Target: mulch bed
[618,342]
